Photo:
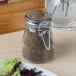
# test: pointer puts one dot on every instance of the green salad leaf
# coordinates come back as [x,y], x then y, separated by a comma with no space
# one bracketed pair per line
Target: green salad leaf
[6,65]
[17,73]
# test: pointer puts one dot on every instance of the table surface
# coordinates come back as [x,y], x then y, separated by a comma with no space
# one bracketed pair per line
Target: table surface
[64,63]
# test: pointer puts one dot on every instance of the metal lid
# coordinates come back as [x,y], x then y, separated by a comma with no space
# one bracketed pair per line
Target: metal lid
[37,16]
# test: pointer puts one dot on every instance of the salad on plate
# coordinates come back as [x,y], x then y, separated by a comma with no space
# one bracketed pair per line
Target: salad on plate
[14,67]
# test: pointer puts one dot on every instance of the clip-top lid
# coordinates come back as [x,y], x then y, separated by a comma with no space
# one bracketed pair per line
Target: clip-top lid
[37,15]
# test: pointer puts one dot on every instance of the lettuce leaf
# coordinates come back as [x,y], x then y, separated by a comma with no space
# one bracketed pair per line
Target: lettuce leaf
[6,65]
[17,73]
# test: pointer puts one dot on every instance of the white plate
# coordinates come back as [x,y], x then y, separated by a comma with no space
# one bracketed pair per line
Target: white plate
[44,71]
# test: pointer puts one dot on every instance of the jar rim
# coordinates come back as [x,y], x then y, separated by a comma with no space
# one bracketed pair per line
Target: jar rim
[37,15]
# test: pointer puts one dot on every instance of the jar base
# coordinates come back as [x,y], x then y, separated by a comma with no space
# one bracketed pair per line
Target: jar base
[40,62]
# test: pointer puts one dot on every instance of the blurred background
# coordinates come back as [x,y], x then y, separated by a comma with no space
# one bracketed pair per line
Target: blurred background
[12,13]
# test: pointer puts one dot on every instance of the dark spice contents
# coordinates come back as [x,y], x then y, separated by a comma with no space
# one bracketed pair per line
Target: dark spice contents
[33,48]
[36,15]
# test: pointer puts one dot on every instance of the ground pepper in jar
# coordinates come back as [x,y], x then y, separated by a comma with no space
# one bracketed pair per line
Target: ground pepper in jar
[35,41]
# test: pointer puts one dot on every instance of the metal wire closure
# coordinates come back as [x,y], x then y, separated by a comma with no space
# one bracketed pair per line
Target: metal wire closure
[43,29]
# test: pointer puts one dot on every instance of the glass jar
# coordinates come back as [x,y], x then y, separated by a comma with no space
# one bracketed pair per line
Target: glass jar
[37,38]
[63,13]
